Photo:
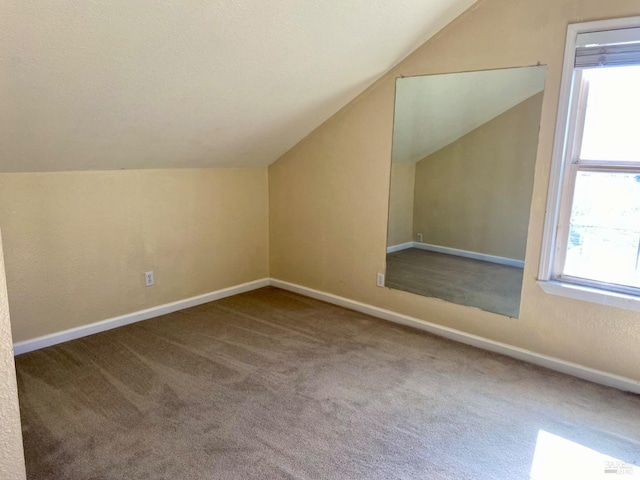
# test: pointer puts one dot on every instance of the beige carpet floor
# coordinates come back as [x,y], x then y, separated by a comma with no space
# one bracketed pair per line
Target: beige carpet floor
[465,281]
[273,385]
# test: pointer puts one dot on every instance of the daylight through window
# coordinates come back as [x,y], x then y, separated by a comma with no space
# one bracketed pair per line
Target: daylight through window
[594,239]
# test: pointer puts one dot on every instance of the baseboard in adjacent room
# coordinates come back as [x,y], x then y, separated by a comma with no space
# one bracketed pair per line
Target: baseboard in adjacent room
[104,325]
[574,369]
[402,246]
[512,262]
[580,371]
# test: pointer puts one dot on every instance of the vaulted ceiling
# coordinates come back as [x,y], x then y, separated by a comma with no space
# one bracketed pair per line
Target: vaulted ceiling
[433,111]
[95,85]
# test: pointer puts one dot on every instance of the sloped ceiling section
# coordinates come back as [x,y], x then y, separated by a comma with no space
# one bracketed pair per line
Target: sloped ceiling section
[433,111]
[95,85]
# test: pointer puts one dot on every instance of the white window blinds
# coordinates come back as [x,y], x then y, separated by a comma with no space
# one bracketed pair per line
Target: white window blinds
[608,48]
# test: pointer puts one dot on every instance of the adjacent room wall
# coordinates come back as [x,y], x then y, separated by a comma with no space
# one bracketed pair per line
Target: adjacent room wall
[475,193]
[401,198]
[78,243]
[11,453]
[329,202]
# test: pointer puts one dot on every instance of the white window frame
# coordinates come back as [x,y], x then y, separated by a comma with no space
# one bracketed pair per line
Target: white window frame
[562,182]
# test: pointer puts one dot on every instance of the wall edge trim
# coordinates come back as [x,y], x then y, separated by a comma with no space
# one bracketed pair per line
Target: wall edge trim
[552,363]
[129,318]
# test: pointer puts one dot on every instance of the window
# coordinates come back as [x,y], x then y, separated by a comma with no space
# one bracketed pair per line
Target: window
[591,247]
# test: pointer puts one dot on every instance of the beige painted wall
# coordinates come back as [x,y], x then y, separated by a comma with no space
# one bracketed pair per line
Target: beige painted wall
[475,193]
[329,203]
[401,197]
[77,243]
[11,453]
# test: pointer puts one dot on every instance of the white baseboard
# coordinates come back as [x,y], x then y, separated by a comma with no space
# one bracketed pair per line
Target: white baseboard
[586,373]
[401,246]
[104,325]
[512,262]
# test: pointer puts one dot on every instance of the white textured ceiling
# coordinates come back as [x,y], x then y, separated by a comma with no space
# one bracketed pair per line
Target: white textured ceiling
[94,84]
[434,110]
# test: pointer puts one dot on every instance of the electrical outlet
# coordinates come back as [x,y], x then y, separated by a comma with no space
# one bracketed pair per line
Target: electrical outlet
[419,237]
[380,279]
[148,278]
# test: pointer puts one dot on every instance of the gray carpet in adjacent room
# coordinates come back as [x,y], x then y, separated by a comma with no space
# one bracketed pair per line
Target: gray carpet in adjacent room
[273,385]
[465,281]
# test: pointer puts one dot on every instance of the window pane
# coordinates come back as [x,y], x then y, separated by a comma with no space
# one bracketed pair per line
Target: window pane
[604,229]
[612,121]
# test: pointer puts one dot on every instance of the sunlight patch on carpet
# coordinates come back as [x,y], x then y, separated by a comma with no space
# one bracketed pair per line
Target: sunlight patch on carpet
[557,458]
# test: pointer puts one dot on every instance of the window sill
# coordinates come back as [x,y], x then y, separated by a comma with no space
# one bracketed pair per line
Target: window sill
[593,295]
